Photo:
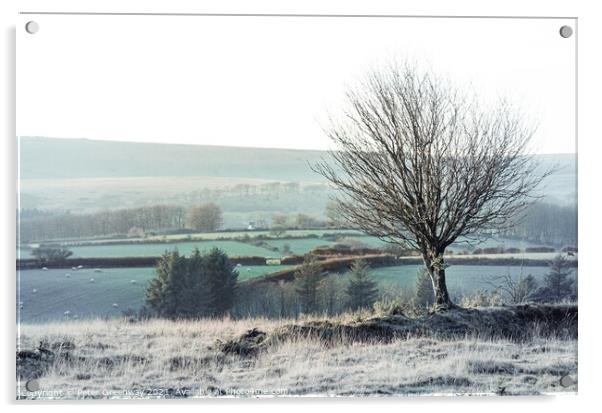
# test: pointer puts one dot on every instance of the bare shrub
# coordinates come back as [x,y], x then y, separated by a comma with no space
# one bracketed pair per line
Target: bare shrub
[482,298]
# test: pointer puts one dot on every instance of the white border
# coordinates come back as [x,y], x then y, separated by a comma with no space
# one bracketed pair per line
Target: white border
[590,34]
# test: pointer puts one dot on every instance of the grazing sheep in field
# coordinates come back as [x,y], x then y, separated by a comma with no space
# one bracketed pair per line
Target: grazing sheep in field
[68,275]
[67,313]
[44,268]
[74,268]
[91,280]
[115,305]
[79,267]
[34,291]
[239,265]
[133,281]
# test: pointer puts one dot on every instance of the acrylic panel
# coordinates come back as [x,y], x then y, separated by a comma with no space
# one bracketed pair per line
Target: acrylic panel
[295,205]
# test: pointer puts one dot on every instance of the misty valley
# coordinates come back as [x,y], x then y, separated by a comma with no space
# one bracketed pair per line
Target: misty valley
[105,211]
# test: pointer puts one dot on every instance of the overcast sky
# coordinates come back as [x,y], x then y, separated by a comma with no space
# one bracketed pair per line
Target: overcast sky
[270,81]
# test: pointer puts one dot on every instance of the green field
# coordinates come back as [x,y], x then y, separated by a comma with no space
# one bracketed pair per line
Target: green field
[461,279]
[462,244]
[251,271]
[220,235]
[56,293]
[254,234]
[232,248]
[300,246]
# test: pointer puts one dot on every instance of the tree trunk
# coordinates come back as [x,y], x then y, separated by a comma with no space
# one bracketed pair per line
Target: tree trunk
[436,268]
[442,300]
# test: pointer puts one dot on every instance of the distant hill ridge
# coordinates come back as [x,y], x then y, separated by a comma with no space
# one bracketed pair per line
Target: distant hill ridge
[53,158]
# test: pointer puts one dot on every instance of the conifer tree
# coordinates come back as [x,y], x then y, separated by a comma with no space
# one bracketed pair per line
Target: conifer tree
[558,285]
[307,282]
[202,285]
[219,280]
[197,301]
[166,292]
[361,290]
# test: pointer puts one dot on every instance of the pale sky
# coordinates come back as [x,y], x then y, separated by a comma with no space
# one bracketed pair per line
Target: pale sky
[270,81]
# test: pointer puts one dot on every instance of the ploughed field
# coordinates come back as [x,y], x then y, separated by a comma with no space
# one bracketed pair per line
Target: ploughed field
[47,295]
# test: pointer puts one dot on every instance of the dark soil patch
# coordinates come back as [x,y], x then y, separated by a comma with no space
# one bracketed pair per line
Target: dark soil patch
[246,345]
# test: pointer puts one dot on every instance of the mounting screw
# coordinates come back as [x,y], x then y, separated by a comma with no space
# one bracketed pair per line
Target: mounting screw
[566,31]
[32,385]
[566,381]
[32,27]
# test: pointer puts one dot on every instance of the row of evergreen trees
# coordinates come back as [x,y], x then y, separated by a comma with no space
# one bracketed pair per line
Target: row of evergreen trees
[205,285]
[201,285]
[361,291]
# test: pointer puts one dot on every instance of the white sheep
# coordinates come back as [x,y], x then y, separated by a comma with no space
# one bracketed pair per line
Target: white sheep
[91,280]
[68,275]
[79,267]
[44,268]
[133,281]
[74,268]
[34,291]
[115,305]
[67,313]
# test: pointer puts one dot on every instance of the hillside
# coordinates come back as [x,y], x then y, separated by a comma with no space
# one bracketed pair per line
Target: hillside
[86,175]
[49,158]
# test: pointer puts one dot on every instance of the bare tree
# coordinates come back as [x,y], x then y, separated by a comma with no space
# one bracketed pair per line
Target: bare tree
[206,217]
[519,290]
[419,164]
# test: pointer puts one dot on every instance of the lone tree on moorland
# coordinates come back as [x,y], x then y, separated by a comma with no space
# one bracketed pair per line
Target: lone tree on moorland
[419,164]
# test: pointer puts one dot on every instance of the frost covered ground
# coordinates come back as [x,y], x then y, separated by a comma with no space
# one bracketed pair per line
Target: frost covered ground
[124,358]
